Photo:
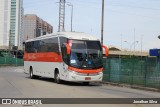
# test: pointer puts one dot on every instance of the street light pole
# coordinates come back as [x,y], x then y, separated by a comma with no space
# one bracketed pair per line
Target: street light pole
[71,16]
[132,45]
[127,43]
[141,45]
[102,23]
[121,42]
[134,38]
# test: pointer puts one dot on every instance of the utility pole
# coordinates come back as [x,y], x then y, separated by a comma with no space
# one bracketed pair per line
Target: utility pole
[72,19]
[141,45]
[9,45]
[61,15]
[102,23]
[121,42]
[134,38]
[71,15]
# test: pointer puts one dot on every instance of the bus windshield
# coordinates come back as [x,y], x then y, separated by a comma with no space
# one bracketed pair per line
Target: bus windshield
[86,54]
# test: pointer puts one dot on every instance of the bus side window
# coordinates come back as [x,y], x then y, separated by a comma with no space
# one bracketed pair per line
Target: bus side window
[64,53]
[36,46]
[64,49]
[28,47]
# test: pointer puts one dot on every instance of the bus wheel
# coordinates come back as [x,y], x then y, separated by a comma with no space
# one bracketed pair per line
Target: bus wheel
[57,77]
[31,73]
[85,83]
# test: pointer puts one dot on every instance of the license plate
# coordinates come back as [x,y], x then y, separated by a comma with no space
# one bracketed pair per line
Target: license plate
[87,78]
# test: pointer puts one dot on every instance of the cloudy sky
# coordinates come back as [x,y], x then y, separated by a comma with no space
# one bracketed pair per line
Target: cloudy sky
[123,20]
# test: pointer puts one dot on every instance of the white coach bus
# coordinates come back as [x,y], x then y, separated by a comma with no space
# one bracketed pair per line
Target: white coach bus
[68,56]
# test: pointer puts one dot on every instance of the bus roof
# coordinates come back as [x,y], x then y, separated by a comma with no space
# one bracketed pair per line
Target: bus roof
[70,35]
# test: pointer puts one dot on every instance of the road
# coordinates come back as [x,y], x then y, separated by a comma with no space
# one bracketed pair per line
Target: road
[14,83]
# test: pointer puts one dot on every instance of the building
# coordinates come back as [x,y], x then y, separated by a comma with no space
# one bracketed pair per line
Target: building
[11,23]
[35,27]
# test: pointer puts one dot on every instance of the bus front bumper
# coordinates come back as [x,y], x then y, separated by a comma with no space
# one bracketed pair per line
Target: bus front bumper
[80,77]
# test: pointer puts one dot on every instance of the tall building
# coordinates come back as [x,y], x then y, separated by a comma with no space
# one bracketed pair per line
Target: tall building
[11,23]
[35,27]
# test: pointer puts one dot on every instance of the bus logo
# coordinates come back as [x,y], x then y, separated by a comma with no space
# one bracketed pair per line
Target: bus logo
[6,101]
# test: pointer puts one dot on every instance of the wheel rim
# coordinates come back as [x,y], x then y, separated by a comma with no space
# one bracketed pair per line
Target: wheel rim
[31,73]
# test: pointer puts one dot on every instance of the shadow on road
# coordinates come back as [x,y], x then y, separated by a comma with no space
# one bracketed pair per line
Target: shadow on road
[67,82]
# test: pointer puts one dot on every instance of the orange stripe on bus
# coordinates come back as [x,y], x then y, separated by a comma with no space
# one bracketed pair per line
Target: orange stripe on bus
[85,71]
[43,57]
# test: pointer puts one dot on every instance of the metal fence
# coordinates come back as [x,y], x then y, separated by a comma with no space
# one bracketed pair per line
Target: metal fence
[11,58]
[130,70]
[133,70]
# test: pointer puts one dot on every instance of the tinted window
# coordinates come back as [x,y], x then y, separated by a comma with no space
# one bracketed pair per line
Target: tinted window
[94,45]
[36,46]
[64,50]
[29,47]
[49,45]
[78,44]
[86,54]
[45,45]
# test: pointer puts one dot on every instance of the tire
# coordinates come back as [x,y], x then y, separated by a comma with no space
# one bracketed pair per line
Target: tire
[86,83]
[31,73]
[57,77]
[36,77]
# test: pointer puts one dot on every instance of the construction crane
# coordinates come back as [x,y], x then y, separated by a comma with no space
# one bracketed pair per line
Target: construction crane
[61,16]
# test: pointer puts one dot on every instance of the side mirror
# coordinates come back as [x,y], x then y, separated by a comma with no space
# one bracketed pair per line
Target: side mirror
[106,51]
[68,48]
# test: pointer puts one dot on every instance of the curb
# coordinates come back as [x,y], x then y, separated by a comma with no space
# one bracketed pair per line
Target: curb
[131,86]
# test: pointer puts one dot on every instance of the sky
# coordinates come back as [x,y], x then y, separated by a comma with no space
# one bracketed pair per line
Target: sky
[124,20]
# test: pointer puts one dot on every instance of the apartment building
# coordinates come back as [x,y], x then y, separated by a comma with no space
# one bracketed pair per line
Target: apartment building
[35,27]
[11,23]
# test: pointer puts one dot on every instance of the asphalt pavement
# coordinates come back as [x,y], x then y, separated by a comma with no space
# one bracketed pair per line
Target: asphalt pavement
[14,83]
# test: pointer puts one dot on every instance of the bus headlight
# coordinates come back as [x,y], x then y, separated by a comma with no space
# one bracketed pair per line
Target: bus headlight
[72,71]
[99,73]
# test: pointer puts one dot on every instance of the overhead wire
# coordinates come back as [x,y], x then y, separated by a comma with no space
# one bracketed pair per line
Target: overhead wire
[117,4]
[33,3]
[117,11]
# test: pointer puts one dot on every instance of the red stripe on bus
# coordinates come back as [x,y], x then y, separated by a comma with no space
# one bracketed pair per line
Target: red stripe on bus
[43,57]
[85,71]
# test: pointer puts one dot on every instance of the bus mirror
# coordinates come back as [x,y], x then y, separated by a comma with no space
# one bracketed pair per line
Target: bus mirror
[105,50]
[68,48]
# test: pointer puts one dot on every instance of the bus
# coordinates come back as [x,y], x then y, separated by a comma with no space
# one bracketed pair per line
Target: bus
[65,56]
